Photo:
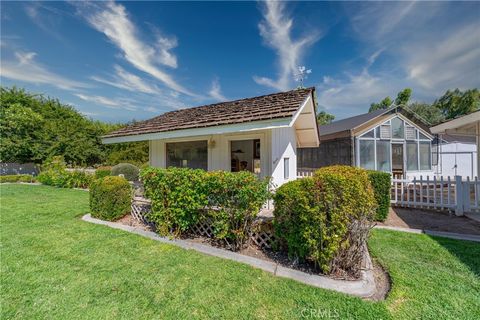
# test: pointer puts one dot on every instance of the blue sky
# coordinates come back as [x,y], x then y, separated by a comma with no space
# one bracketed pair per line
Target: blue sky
[118,61]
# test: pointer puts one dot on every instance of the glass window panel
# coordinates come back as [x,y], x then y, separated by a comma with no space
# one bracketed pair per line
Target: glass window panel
[191,154]
[422,136]
[286,168]
[385,132]
[367,154]
[412,156]
[425,156]
[369,134]
[383,156]
[377,132]
[410,133]
[397,128]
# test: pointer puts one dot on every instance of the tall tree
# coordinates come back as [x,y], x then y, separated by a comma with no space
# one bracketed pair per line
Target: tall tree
[384,104]
[324,118]
[34,128]
[455,103]
[427,112]
[403,97]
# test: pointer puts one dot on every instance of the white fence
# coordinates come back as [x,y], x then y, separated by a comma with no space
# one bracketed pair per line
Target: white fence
[305,173]
[452,194]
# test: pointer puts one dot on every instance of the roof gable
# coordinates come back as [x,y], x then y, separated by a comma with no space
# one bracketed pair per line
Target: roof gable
[267,107]
[345,127]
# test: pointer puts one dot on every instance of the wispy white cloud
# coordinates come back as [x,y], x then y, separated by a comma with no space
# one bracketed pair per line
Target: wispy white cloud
[128,81]
[450,62]
[113,20]
[216,91]
[121,103]
[276,29]
[26,69]
[417,51]
[46,18]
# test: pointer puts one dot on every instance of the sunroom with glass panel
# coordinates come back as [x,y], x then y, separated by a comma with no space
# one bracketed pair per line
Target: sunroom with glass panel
[396,146]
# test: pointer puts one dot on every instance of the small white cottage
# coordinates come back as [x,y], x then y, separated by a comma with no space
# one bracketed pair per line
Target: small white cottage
[259,134]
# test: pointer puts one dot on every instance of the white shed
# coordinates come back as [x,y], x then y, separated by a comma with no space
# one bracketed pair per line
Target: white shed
[466,126]
[259,134]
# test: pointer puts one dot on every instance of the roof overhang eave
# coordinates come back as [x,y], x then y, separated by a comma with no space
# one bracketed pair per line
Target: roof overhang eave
[192,132]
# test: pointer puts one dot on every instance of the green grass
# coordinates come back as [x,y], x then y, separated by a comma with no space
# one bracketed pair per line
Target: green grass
[53,265]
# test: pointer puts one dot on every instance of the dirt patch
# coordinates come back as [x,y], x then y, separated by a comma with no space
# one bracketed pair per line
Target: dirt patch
[383,283]
[430,220]
[130,221]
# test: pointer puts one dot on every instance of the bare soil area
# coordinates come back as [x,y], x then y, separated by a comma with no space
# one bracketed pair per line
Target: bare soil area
[430,220]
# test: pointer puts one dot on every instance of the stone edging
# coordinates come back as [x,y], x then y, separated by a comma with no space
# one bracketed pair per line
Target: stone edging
[364,287]
[444,234]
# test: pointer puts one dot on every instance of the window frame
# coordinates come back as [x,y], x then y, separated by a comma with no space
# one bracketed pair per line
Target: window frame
[379,137]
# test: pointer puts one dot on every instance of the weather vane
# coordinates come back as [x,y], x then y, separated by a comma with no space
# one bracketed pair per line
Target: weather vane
[302,74]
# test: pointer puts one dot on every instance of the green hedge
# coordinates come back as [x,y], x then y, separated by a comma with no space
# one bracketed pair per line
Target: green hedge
[54,173]
[177,196]
[102,172]
[17,178]
[381,183]
[110,198]
[181,197]
[129,171]
[312,216]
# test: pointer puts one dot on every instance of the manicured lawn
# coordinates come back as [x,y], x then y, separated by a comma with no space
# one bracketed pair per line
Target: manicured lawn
[54,265]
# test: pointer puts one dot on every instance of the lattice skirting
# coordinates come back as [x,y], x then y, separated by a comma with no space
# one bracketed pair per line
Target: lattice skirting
[262,234]
[140,207]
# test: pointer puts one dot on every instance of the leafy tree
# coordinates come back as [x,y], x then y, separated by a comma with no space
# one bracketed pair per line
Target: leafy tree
[35,128]
[403,97]
[455,103]
[384,104]
[324,118]
[427,112]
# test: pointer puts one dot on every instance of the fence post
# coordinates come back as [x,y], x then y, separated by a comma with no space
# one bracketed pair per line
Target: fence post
[458,196]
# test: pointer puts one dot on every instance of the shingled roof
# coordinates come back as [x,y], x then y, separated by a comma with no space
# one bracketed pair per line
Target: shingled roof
[267,107]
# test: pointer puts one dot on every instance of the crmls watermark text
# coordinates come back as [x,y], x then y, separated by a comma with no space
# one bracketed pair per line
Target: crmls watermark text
[320,313]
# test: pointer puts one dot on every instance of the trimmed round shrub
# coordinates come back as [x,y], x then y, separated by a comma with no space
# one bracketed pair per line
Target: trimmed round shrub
[381,183]
[110,198]
[325,219]
[102,172]
[129,171]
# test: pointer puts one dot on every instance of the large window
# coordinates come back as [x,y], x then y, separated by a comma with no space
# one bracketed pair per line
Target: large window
[412,156]
[425,155]
[395,145]
[383,155]
[397,128]
[367,154]
[191,154]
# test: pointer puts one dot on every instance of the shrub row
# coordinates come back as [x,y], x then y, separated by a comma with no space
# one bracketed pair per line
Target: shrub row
[315,218]
[110,198]
[381,183]
[102,172]
[17,178]
[181,197]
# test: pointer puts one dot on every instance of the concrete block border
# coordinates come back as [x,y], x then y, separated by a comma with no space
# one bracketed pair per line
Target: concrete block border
[364,287]
[451,235]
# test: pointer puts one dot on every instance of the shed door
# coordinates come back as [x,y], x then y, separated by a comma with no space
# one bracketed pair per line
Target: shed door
[397,160]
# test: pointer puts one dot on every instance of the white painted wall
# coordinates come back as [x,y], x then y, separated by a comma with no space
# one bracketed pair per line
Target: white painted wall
[457,159]
[284,145]
[275,145]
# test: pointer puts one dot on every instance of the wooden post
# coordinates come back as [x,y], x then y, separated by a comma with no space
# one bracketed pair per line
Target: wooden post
[458,196]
